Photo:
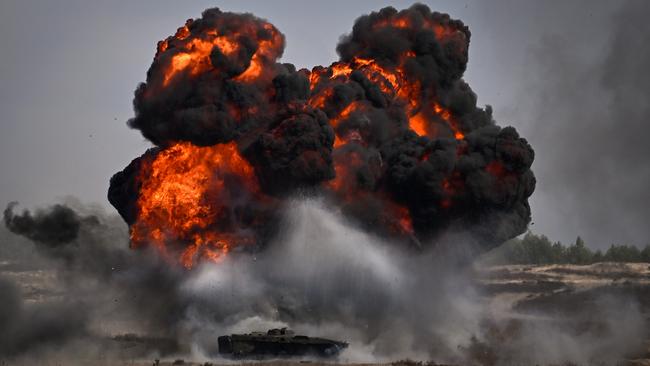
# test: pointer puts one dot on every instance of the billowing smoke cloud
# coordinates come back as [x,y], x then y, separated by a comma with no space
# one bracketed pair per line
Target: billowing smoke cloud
[98,282]
[24,327]
[320,275]
[54,228]
[391,134]
[323,276]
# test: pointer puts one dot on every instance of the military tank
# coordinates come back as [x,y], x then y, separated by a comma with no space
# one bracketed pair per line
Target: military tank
[277,343]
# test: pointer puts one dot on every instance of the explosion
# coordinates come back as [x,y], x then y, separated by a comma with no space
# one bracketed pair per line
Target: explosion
[390,134]
[180,195]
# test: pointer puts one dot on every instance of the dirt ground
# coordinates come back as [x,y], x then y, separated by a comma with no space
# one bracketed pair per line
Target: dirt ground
[519,291]
[569,292]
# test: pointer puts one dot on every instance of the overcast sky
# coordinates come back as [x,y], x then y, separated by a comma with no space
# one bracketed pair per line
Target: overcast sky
[569,75]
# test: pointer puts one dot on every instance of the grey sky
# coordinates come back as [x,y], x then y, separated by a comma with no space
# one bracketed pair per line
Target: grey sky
[69,69]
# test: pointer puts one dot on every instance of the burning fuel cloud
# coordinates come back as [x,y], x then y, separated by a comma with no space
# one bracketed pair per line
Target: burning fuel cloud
[390,134]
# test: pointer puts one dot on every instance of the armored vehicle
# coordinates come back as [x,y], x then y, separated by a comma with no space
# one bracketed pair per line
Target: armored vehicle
[277,343]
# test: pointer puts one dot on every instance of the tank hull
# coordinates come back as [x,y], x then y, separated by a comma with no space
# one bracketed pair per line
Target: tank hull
[260,345]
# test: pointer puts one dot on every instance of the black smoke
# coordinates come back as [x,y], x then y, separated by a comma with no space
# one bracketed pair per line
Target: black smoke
[54,227]
[287,122]
[96,279]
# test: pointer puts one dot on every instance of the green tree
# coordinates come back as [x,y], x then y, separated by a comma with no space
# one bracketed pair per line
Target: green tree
[578,253]
[597,257]
[623,253]
[645,253]
[558,253]
[538,249]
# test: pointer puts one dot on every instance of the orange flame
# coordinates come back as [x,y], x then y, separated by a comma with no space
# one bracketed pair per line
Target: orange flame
[267,50]
[340,69]
[252,72]
[192,52]
[445,114]
[442,31]
[196,55]
[418,124]
[183,198]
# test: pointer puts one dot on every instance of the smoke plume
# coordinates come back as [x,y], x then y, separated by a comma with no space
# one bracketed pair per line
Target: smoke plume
[390,133]
[24,327]
[320,275]
[54,228]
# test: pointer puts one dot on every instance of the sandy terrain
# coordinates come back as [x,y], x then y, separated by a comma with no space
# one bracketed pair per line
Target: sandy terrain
[519,295]
[570,293]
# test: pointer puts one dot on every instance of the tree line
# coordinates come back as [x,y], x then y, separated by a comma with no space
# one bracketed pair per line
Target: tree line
[538,249]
